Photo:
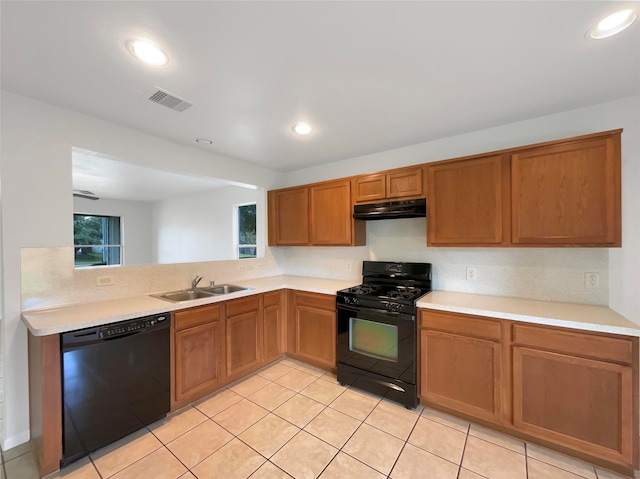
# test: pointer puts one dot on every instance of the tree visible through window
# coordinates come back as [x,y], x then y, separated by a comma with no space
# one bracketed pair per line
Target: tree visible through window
[97,240]
[247,231]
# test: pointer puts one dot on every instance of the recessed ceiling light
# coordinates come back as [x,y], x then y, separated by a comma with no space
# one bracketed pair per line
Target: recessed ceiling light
[204,141]
[302,128]
[148,52]
[614,23]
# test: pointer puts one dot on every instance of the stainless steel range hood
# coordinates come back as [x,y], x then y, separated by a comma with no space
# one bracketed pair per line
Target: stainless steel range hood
[391,209]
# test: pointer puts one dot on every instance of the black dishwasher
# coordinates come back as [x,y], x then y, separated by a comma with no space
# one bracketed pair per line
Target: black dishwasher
[115,380]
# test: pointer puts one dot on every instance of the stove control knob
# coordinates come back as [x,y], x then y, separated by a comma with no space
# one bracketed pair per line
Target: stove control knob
[394,307]
[351,300]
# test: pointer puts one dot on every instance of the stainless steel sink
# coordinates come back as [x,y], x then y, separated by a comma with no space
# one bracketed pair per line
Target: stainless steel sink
[199,293]
[183,295]
[224,289]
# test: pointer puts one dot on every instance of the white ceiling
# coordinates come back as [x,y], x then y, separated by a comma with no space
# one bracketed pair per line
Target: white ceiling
[369,76]
[108,178]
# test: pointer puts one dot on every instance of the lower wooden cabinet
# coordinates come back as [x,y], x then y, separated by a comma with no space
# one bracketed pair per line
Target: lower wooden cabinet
[460,364]
[575,389]
[311,328]
[199,353]
[243,336]
[273,324]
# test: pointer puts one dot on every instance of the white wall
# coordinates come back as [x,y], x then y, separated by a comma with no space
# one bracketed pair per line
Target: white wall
[624,263]
[200,227]
[37,140]
[135,218]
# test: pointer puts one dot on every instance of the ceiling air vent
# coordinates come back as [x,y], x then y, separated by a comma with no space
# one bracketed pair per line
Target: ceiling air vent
[89,195]
[168,99]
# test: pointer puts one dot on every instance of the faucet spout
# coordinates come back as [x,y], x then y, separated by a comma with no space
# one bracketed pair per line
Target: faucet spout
[196,280]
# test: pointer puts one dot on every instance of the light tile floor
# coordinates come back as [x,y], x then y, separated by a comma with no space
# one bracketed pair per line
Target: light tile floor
[293,420]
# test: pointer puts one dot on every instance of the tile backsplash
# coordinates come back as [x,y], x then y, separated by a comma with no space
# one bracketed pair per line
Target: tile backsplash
[556,274]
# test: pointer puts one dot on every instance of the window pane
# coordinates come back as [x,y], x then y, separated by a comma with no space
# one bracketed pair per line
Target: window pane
[247,252]
[97,239]
[247,225]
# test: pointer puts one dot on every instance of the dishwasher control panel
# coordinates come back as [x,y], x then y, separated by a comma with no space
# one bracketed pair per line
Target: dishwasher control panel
[131,326]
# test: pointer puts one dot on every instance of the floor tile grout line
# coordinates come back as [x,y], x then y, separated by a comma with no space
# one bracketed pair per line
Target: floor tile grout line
[464,447]
[566,469]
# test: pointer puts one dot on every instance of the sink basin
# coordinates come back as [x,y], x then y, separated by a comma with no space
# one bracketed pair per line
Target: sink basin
[199,293]
[224,289]
[184,295]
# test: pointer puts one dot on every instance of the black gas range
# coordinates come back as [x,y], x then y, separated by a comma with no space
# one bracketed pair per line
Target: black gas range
[377,333]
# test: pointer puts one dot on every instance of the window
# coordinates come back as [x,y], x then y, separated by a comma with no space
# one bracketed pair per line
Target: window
[97,240]
[246,215]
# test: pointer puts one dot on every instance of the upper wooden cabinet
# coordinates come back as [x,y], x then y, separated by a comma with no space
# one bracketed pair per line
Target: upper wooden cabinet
[560,193]
[289,217]
[331,221]
[314,215]
[567,193]
[392,185]
[466,202]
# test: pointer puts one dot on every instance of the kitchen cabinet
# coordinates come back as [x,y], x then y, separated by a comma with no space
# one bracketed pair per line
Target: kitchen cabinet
[460,363]
[314,215]
[243,336]
[199,353]
[311,328]
[390,185]
[468,202]
[331,222]
[577,389]
[567,193]
[288,220]
[273,325]
[559,193]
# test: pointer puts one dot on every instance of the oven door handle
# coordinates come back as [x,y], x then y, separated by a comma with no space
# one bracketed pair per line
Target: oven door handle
[359,309]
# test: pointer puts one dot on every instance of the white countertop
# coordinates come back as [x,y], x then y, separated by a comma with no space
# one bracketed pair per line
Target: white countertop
[569,315]
[60,319]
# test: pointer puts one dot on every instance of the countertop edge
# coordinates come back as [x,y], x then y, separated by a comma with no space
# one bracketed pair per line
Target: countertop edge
[34,318]
[535,317]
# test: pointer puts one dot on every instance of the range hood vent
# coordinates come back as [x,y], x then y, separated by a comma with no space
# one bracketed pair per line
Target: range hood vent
[391,209]
[164,98]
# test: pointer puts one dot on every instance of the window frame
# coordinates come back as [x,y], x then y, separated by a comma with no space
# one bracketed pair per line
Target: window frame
[109,246]
[236,231]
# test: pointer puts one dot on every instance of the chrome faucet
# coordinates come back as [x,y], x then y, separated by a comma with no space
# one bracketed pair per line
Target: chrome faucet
[196,280]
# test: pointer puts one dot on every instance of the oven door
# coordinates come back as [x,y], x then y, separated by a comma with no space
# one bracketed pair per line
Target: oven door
[377,341]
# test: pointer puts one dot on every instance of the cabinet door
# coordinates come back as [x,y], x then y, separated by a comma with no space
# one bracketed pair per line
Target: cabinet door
[331,213]
[273,322]
[199,360]
[581,403]
[370,188]
[243,334]
[567,194]
[404,183]
[289,217]
[311,334]
[466,202]
[461,373]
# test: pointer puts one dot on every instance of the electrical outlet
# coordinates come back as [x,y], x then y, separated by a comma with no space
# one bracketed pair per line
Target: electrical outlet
[291,263]
[241,266]
[591,280]
[260,265]
[249,266]
[472,274]
[104,280]
[348,265]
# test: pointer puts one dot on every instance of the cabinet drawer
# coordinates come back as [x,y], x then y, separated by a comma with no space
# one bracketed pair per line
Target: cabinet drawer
[475,326]
[272,299]
[196,316]
[577,343]
[315,300]
[236,307]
